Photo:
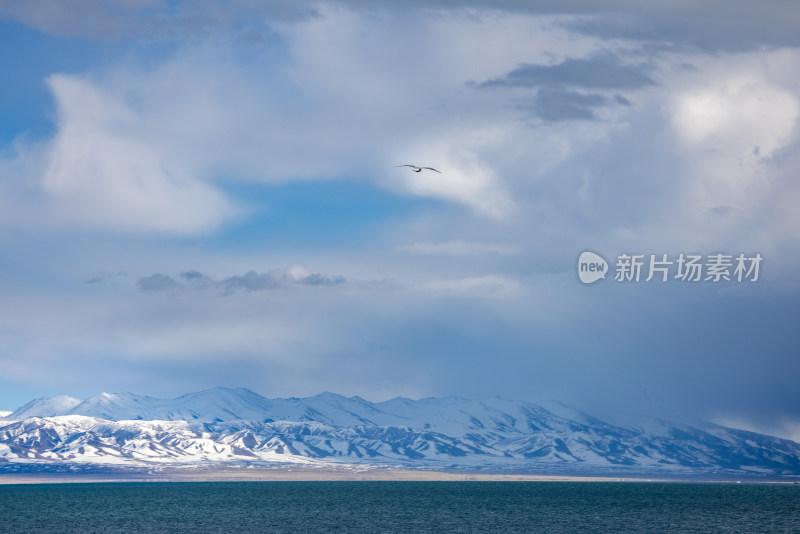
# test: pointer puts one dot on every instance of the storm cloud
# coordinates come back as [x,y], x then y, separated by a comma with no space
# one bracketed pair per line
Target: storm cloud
[205,151]
[602,72]
[569,90]
[157,282]
[254,281]
[249,281]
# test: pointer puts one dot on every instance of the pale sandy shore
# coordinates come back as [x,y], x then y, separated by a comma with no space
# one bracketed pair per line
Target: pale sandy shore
[254,474]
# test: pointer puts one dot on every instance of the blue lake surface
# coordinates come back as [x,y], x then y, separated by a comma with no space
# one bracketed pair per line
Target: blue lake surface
[296,507]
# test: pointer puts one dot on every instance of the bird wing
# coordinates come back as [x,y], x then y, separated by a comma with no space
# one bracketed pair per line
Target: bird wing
[432,169]
[412,166]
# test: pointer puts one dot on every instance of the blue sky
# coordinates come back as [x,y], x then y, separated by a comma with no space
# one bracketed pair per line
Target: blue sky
[196,194]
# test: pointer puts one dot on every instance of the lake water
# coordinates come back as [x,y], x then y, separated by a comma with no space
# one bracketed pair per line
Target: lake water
[297,507]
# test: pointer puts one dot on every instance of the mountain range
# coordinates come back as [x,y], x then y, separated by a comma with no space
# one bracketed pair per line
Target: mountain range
[224,426]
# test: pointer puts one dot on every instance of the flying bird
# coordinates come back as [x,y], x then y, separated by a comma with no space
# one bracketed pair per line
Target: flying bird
[419,169]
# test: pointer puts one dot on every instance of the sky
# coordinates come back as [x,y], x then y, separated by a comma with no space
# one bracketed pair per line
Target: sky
[199,194]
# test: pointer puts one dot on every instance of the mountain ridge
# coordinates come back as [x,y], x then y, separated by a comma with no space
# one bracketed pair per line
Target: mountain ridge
[237,425]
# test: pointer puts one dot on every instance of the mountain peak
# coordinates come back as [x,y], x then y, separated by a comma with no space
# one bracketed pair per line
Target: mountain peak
[45,407]
[238,425]
[327,395]
[222,391]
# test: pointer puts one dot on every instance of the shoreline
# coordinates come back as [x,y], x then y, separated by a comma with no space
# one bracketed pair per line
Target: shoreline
[342,474]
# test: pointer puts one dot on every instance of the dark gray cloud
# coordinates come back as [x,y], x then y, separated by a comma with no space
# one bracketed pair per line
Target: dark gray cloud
[622,101]
[315,279]
[709,25]
[569,90]
[105,276]
[98,278]
[561,105]
[602,72]
[251,281]
[157,282]
[254,281]
[736,26]
[192,275]
[159,19]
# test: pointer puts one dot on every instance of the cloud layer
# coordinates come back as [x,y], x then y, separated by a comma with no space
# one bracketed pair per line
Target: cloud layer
[559,127]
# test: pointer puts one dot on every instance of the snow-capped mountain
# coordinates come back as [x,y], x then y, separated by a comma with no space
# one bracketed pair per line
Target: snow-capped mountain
[238,425]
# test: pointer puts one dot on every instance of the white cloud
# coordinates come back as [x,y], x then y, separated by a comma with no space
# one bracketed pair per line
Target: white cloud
[298,272]
[156,19]
[737,115]
[734,117]
[103,170]
[403,94]
[785,427]
[489,286]
[465,177]
[87,18]
[457,248]
[143,148]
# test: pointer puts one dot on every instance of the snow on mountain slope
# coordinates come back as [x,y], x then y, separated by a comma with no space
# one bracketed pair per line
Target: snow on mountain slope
[345,411]
[45,407]
[114,406]
[454,416]
[217,404]
[88,439]
[238,425]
